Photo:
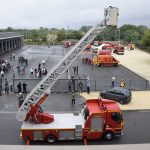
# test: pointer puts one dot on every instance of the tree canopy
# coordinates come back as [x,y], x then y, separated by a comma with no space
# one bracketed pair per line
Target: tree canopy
[140,35]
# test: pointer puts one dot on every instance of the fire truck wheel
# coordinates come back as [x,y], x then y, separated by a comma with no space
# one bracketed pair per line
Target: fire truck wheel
[51,138]
[108,136]
[115,51]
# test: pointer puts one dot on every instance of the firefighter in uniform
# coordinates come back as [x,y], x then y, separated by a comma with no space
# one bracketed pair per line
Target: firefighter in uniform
[122,83]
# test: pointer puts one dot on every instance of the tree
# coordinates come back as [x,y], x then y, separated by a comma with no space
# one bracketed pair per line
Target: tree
[85,28]
[60,35]
[146,39]
[34,35]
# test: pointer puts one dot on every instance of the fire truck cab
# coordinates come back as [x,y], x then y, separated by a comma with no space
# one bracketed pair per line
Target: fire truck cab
[99,118]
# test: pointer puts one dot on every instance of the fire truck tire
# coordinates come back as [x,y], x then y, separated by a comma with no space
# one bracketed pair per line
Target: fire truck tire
[115,51]
[108,136]
[51,139]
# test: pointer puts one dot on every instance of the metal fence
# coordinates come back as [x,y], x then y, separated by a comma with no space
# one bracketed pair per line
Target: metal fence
[61,86]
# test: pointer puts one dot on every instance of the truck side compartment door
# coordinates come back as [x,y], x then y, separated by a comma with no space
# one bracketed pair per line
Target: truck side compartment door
[96,128]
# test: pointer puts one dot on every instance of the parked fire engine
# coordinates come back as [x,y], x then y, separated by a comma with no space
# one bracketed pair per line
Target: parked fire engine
[99,117]
[131,46]
[118,49]
[105,60]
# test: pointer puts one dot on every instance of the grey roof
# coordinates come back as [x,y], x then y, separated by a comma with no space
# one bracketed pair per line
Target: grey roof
[8,35]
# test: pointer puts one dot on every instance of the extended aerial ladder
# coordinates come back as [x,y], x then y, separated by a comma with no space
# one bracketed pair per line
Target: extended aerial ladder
[43,88]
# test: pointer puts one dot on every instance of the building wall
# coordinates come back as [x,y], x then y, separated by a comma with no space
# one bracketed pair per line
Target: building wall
[10,43]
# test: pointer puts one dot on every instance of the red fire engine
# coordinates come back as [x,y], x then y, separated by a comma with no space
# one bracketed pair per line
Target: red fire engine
[99,118]
[118,49]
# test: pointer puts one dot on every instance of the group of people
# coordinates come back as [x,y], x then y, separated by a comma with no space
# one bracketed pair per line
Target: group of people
[21,68]
[22,87]
[75,70]
[4,67]
[12,57]
[40,71]
[122,82]
[87,61]
[71,89]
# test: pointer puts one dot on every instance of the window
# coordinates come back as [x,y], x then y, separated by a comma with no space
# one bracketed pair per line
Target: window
[116,116]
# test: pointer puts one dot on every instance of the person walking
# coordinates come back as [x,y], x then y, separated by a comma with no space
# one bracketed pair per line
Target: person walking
[13,74]
[69,86]
[73,97]
[31,72]
[87,78]
[113,81]
[40,73]
[88,87]
[122,83]
[43,62]
[45,71]
[77,69]
[24,88]
[6,86]
[18,69]
[14,56]
[10,57]
[80,87]
[88,84]
[19,87]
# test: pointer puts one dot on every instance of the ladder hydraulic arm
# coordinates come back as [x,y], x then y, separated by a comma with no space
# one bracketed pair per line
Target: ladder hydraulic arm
[43,88]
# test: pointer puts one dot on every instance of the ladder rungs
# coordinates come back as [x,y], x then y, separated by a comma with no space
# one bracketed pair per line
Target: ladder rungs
[46,84]
[36,95]
[41,90]
[53,76]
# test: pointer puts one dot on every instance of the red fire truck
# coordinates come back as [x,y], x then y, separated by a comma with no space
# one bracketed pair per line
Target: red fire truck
[105,60]
[118,49]
[99,118]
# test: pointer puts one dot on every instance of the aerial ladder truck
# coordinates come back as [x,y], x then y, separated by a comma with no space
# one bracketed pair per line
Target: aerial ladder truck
[91,123]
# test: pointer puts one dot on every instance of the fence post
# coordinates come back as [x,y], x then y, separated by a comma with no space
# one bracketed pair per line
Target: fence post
[95,85]
[13,86]
[130,85]
[146,85]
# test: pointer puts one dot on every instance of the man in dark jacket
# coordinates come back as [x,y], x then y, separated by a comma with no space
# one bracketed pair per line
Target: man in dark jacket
[24,85]
[19,87]
[80,87]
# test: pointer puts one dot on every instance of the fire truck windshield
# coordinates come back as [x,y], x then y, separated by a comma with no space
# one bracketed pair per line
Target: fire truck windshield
[116,116]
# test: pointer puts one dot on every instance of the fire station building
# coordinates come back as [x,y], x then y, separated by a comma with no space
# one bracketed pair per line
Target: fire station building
[10,41]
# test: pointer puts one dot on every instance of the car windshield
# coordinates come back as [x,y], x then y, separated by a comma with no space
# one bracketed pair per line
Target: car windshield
[119,90]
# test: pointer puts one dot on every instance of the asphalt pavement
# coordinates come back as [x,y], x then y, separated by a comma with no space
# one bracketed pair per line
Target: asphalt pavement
[61,102]
[136,131]
[100,77]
